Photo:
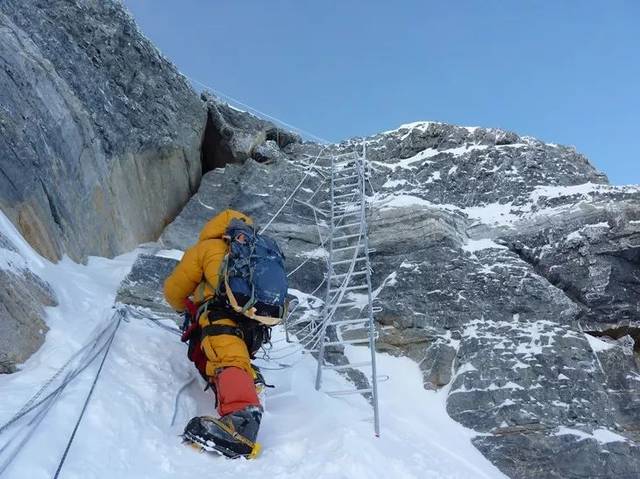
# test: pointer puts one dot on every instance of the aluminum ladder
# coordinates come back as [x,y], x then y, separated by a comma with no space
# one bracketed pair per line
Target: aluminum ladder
[348,313]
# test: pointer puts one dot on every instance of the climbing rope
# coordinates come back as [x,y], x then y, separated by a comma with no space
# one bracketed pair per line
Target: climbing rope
[255,111]
[86,401]
[85,356]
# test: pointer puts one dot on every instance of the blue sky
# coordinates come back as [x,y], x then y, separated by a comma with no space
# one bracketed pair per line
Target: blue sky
[565,71]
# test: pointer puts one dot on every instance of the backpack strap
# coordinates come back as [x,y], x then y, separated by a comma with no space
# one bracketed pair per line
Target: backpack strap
[251,312]
[220,329]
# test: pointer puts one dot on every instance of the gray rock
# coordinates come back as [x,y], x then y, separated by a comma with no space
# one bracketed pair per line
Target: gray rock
[535,455]
[99,134]
[23,296]
[233,136]
[593,256]
[143,286]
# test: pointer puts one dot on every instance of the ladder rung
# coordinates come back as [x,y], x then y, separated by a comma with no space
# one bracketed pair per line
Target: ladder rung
[347,261]
[354,273]
[346,215]
[347,248]
[346,322]
[345,195]
[348,341]
[349,391]
[350,225]
[346,177]
[350,288]
[342,187]
[346,237]
[346,208]
[350,168]
[340,367]
[352,304]
[347,169]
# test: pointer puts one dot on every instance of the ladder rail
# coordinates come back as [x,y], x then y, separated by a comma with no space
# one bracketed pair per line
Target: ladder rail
[340,209]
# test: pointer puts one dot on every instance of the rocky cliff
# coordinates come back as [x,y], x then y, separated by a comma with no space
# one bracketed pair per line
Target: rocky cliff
[99,135]
[23,296]
[100,141]
[507,267]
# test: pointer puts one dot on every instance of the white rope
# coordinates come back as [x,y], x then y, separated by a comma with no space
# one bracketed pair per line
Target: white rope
[293,193]
[258,112]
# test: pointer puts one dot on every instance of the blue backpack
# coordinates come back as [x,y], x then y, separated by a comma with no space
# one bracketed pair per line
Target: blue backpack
[255,279]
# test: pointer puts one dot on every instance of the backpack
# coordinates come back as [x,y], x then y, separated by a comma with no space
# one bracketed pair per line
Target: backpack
[253,275]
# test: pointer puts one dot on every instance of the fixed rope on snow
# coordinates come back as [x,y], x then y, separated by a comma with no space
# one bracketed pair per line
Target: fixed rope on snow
[88,398]
[42,405]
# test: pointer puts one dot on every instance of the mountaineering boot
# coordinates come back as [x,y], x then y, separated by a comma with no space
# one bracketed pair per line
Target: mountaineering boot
[233,435]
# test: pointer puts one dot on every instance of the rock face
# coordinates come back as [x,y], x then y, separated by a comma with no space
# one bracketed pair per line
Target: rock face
[143,286]
[232,136]
[99,135]
[495,255]
[22,298]
[100,142]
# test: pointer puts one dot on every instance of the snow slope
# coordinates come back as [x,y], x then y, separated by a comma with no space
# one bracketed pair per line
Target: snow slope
[127,432]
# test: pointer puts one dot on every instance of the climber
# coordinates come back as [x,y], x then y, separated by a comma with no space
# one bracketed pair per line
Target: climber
[231,286]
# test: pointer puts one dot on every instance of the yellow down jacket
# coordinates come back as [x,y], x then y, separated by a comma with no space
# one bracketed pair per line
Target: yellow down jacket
[197,277]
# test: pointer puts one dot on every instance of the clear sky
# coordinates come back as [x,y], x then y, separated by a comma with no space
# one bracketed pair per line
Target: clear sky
[565,71]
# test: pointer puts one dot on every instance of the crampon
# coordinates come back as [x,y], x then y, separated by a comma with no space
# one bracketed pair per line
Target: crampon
[220,436]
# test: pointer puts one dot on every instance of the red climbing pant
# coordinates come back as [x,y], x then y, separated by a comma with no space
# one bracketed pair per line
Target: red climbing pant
[235,390]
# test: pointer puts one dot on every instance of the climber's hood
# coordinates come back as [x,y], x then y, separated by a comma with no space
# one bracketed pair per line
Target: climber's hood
[215,227]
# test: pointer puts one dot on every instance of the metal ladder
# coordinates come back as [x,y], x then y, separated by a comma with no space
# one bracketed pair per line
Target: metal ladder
[347,316]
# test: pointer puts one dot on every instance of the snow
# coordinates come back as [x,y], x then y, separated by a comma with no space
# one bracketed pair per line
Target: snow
[560,191]
[598,344]
[603,436]
[170,253]
[477,245]
[10,260]
[423,156]
[604,224]
[574,236]
[318,253]
[423,126]
[403,201]
[25,250]
[494,213]
[434,177]
[126,431]
[407,163]
[394,183]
